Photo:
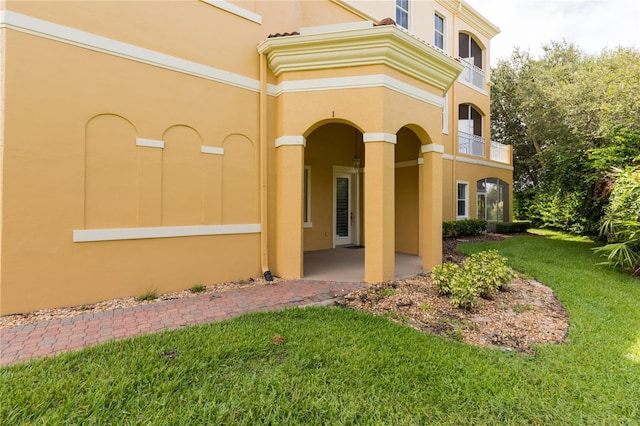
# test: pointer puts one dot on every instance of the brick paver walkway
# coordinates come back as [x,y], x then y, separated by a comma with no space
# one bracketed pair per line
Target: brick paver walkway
[25,342]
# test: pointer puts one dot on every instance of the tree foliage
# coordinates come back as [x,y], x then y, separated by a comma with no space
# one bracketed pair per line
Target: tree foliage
[570,117]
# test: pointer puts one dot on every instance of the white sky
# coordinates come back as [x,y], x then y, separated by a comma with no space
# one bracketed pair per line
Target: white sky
[590,24]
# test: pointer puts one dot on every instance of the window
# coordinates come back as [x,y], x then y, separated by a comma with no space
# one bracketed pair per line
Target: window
[493,200]
[463,197]
[402,13]
[470,53]
[438,31]
[306,189]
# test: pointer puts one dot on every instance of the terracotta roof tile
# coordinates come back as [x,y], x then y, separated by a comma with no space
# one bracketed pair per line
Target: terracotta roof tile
[385,21]
[293,33]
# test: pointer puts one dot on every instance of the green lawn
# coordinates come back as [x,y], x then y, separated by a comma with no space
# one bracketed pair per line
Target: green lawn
[344,367]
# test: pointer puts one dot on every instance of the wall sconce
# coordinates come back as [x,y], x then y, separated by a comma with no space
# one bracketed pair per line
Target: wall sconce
[356,159]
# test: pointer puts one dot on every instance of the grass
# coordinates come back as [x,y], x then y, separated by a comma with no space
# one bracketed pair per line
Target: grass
[150,294]
[336,366]
[198,288]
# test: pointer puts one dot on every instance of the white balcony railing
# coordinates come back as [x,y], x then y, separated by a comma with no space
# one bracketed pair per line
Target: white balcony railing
[470,144]
[472,74]
[499,152]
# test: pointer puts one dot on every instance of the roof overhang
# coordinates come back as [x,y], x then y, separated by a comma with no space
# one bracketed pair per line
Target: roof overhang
[361,45]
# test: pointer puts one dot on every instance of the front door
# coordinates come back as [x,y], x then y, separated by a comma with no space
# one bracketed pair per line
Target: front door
[343,211]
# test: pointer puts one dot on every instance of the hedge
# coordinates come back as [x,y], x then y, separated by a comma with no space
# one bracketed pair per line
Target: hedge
[513,227]
[464,228]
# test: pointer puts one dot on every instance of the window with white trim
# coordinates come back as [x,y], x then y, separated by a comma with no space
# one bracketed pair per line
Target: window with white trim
[306,188]
[462,209]
[402,13]
[438,31]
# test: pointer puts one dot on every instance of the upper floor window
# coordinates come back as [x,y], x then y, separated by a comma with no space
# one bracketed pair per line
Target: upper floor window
[470,53]
[438,31]
[470,140]
[402,13]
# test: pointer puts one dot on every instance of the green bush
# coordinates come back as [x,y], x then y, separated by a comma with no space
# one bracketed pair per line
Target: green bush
[464,293]
[513,227]
[442,276]
[463,228]
[481,274]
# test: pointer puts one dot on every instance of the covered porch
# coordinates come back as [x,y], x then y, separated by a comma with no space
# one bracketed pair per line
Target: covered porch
[346,263]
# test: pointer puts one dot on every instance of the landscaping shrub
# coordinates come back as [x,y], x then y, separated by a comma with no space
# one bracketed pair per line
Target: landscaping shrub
[481,274]
[442,276]
[513,227]
[621,224]
[463,228]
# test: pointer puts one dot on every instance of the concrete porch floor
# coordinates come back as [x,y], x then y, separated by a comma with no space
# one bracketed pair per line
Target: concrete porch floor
[347,265]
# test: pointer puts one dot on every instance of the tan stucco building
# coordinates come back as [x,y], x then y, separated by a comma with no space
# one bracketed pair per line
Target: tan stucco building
[159,144]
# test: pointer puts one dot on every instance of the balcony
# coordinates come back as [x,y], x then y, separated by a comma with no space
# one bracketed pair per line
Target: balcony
[500,152]
[470,144]
[472,74]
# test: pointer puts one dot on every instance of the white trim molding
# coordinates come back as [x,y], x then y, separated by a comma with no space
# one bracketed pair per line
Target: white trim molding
[447,157]
[356,82]
[149,143]
[115,234]
[211,150]
[432,147]
[291,140]
[63,34]
[236,10]
[484,163]
[379,137]
[420,160]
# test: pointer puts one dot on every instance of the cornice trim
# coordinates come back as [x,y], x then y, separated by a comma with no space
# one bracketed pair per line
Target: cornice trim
[381,45]
[471,16]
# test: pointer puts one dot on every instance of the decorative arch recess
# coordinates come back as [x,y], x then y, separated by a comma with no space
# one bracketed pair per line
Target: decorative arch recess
[110,172]
[182,177]
[240,197]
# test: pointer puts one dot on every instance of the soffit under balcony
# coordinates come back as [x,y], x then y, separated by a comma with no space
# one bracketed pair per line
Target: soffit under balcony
[360,44]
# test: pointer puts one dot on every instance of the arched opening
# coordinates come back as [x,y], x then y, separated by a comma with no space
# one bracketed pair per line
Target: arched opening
[333,203]
[471,55]
[407,189]
[332,199]
[470,139]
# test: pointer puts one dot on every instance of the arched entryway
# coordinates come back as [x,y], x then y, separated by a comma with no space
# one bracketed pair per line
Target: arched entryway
[333,203]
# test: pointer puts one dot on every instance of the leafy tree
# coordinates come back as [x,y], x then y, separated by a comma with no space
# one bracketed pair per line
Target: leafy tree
[570,117]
